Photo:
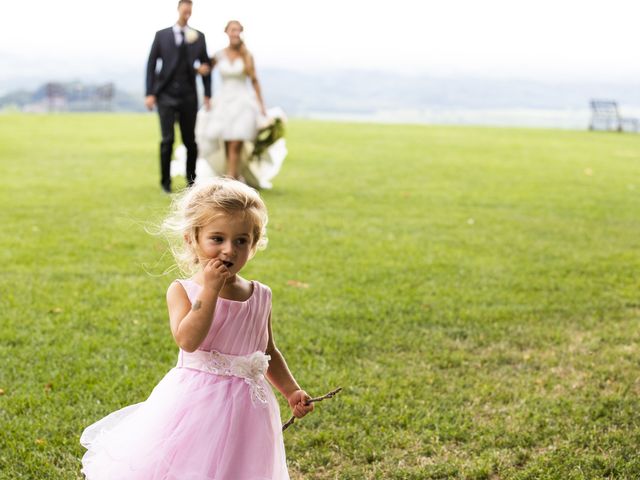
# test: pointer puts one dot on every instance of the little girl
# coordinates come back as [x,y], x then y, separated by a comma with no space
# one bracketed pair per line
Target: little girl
[213,416]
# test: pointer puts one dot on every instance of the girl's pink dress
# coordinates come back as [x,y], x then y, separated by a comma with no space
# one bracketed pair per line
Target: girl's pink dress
[212,417]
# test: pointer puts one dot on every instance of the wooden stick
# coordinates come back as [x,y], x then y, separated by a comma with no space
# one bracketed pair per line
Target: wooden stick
[331,394]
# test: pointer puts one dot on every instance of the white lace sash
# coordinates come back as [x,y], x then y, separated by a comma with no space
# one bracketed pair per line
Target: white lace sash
[252,368]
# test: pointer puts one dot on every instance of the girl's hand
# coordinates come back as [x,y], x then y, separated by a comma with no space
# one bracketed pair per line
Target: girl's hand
[215,274]
[298,403]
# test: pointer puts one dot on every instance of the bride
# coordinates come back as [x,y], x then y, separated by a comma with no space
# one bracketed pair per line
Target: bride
[237,116]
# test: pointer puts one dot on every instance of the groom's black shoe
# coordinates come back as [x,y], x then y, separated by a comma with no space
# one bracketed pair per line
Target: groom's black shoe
[166,189]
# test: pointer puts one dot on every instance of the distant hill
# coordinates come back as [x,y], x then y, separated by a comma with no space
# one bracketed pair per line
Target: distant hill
[362,91]
[367,93]
[71,97]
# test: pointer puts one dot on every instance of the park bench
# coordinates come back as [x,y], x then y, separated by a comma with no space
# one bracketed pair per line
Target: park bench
[606,116]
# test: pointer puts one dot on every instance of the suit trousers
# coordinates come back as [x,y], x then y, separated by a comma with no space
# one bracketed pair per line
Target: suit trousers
[183,111]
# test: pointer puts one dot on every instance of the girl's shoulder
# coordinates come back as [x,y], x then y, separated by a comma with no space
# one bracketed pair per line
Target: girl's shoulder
[189,285]
[261,295]
[261,287]
[185,282]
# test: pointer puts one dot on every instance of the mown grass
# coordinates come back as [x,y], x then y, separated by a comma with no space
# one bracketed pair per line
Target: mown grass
[474,290]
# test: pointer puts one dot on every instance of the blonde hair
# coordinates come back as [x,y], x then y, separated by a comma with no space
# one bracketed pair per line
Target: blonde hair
[201,204]
[244,51]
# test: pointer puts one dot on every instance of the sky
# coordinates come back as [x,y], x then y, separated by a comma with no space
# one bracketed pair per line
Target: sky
[516,38]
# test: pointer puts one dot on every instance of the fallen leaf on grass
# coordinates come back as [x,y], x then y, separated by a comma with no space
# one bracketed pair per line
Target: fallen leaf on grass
[297,284]
[55,310]
[1,391]
[40,441]
[48,387]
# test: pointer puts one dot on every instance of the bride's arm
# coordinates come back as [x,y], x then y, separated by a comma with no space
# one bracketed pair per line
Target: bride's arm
[256,86]
[206,70]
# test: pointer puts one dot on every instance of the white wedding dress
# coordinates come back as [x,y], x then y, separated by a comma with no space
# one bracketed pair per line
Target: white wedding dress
[234,115]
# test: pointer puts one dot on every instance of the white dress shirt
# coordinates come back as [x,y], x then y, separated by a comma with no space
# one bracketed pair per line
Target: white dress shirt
[176,33]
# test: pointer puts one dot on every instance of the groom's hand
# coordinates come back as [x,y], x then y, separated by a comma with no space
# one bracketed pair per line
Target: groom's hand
[150,101]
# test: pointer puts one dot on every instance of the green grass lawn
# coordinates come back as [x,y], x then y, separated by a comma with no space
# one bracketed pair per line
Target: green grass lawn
[474,290]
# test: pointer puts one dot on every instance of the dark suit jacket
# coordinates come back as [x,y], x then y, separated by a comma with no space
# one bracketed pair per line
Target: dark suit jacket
[164,48]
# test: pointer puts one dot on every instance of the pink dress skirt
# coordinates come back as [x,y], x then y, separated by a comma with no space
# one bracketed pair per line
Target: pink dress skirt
[212,417]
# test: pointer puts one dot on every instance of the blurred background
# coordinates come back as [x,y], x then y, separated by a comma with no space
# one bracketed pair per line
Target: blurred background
[496,62]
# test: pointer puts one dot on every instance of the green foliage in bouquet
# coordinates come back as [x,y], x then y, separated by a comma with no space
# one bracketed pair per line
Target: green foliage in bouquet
[268,136]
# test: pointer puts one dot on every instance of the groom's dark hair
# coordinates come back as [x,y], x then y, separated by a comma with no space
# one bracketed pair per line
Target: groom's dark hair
[184,1]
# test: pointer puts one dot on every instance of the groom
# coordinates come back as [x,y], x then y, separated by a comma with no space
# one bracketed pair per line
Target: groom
[173,88]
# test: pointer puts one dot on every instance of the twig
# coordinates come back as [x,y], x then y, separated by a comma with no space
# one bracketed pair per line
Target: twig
[331,394]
